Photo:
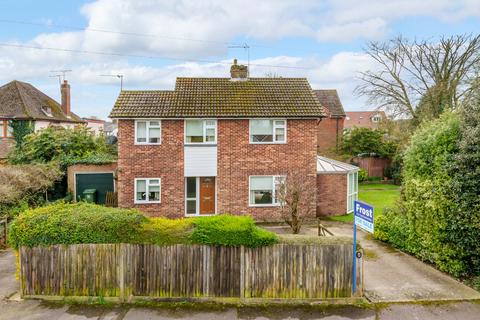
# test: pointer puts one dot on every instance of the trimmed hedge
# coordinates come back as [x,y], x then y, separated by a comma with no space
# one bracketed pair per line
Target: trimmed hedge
[82,222]
[62,223]
[228,230]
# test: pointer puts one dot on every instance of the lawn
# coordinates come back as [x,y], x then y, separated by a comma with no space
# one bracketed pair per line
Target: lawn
[378,195]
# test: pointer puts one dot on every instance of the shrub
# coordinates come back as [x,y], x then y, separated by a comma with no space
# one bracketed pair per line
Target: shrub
[420,224]
[82,222]
[22,186]
[362,175]
[62,223]
[230,230]
[62,145]
[367,141]
[163,231]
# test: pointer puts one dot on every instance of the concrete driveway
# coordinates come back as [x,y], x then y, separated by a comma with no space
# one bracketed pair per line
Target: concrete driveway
[393,276]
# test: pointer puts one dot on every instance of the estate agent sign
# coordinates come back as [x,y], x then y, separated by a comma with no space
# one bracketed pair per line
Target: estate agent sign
[363,217]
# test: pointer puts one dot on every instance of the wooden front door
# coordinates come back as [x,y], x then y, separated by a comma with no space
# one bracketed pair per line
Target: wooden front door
[207,195]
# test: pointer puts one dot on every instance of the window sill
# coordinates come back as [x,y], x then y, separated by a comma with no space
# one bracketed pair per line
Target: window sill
[268,142]
[196,215]
[147,144]
[200,144]
[146,202]
[264,205]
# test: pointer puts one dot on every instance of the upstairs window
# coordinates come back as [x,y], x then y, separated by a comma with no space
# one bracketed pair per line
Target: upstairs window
[147,190]
[264,190]
[268,131]
[147,132]
[377,118]
[200,131]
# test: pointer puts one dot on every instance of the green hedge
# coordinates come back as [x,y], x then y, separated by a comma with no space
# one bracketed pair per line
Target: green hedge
[230,230]
[63,223]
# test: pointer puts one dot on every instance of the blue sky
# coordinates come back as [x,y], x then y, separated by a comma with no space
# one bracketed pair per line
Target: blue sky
[320,40]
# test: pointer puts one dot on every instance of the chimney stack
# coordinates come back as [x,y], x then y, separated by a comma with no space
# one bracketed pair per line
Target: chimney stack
[65,90]
[238,71]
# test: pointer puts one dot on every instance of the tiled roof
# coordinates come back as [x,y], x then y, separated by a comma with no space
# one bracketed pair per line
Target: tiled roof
[331,101]
[362,119]
[21,100]
[222,97]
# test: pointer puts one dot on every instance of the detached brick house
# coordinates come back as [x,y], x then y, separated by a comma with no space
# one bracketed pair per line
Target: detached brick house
[217,145]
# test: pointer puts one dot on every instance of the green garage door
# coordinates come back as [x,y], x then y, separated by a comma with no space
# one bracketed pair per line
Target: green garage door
[102,182]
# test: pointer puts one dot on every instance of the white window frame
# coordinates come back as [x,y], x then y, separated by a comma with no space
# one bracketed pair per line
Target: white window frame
[273,204]
[147,186]
[147,133]
[377,118]
[352,191]
[204,129]
[274,126]
[197,198]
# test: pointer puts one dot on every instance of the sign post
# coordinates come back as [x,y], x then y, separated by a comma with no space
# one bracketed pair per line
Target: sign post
[363,217]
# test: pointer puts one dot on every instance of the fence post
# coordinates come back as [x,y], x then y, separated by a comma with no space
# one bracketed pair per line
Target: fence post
[242,272]
[121,273]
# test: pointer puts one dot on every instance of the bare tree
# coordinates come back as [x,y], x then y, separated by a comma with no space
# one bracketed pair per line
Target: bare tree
[297,200]
[420,79]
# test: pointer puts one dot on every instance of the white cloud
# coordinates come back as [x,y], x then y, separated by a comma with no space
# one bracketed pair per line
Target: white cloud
[375,28]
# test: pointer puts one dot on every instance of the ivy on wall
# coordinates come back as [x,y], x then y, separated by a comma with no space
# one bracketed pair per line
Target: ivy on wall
[21,128]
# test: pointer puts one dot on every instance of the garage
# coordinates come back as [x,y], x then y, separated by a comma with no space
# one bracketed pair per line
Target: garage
[100,177]
[101,182]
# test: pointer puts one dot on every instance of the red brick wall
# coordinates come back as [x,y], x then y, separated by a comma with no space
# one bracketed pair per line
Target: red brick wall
[163,161]
[237,160]
[329,130]
[331,194]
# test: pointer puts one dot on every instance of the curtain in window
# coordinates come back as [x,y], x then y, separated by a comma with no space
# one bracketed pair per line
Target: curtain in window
[141,131]
[261,183]
[261,127]
[194,128]
[141,189]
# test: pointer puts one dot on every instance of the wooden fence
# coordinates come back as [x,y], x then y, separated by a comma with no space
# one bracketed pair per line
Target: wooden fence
[126,270]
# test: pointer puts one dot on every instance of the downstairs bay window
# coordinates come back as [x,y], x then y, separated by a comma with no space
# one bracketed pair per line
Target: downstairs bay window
[264,190]
[147,190]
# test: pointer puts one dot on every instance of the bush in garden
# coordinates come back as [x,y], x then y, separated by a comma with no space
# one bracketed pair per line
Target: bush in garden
[63,223]
[67,146]
[22,186]
[362,175]
[421,224]
[367,141]
[82,222]
[463,229]
[229,230]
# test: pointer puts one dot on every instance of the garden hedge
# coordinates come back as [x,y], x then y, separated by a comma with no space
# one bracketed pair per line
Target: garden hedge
[63,223]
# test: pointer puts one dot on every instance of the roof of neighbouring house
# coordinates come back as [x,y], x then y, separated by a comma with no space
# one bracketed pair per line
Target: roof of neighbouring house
[331,101]
[327,165]
[362,119]
[21,100]
[223,98]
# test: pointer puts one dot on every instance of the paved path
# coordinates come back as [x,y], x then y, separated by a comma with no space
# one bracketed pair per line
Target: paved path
[393,276]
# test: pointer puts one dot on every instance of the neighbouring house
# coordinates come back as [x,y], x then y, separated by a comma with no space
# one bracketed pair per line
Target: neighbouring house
[96,125]
[364,119]
[220,145]
[330,129]
[22,101]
